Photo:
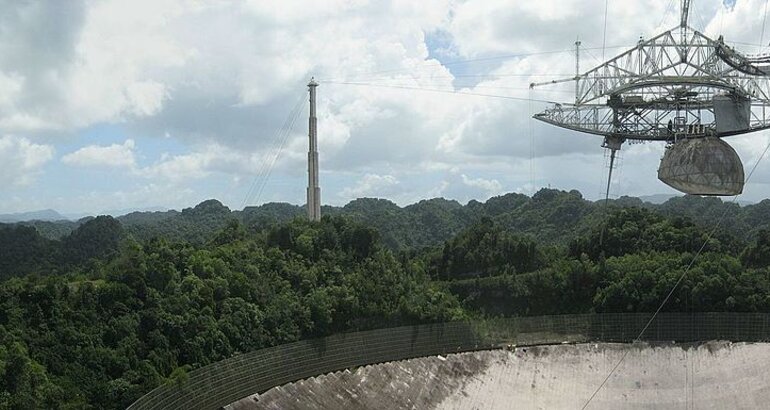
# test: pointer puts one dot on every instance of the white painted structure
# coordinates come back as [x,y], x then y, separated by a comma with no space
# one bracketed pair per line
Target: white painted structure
[313,189]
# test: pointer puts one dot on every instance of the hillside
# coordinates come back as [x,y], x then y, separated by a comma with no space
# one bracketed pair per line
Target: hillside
[44,215]
[549,216]
[115,308]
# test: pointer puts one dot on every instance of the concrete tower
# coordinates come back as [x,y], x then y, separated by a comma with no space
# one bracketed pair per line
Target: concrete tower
[313,189]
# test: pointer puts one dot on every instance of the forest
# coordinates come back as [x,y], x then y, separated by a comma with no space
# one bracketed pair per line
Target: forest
[98,312]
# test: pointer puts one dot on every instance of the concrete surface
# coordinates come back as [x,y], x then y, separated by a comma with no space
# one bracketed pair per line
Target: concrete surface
[715,375]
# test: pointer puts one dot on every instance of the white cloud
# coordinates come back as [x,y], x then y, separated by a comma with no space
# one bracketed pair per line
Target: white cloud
[95,62]
[220,78]
[11,85]
[163,194]
[490,185]
[371,185]
[115,155]
[145,97]
[201,162]
[181,167]
[21,160]
[206,160]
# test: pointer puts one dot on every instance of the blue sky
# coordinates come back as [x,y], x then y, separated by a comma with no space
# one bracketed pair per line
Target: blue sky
[119,105]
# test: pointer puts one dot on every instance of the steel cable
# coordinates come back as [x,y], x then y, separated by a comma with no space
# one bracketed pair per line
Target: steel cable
[679,281]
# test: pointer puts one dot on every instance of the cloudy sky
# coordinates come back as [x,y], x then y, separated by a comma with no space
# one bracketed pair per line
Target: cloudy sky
[111,105]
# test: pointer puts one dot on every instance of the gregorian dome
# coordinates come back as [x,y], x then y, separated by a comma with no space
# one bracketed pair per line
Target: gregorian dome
[703,166]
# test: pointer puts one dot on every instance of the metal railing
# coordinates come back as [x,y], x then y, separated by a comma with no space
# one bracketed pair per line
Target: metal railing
[221,383]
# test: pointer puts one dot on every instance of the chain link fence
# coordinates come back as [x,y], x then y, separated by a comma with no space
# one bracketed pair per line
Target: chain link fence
[221,383]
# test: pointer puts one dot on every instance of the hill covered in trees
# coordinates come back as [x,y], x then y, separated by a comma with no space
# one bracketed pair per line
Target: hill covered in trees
[105,312]
[550,216]
[97,319]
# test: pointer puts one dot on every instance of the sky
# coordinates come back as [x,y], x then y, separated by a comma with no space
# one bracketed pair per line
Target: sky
[119,105]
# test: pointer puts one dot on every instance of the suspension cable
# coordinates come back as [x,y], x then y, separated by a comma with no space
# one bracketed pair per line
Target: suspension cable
[604,36]
[277,154]
[764,20]
[531,143]
[435,90]
[678,282]
[277,143]
[432,64]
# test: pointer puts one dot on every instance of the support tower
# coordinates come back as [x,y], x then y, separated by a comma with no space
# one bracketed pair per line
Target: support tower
[313,189]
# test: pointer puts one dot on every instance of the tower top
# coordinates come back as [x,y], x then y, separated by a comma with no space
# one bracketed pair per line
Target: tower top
[312,82]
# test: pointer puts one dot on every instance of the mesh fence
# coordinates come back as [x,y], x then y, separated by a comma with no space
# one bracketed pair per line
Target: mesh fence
[222,383]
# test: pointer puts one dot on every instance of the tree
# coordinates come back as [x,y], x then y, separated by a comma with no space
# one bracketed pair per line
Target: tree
[757,255]
[98,238]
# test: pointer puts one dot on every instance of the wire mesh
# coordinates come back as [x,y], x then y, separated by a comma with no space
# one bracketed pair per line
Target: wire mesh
[221,383]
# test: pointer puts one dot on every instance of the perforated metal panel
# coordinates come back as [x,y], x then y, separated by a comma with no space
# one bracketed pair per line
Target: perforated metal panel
[704,166]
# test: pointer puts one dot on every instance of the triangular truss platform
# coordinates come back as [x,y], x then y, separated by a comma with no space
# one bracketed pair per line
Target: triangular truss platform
[678,84]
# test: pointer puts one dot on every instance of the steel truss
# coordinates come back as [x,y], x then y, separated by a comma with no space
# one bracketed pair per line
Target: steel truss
[664,89]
